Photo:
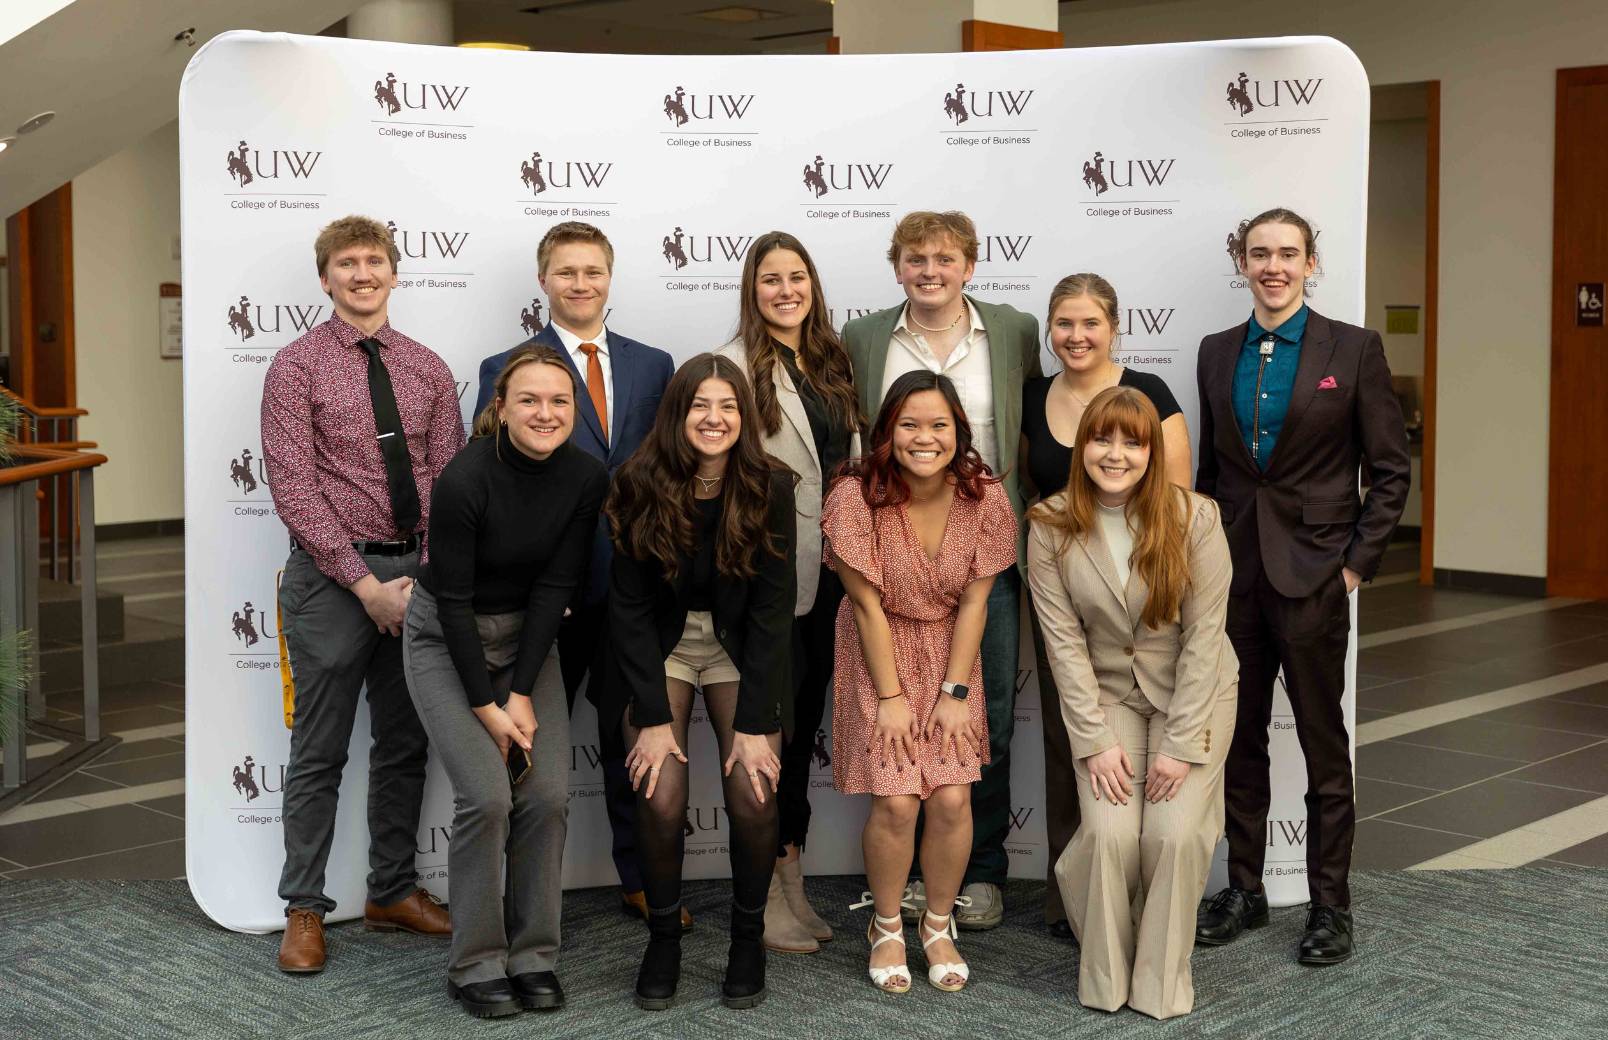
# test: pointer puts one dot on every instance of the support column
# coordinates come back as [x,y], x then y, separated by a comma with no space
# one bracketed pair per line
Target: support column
[929,26]
[403,21]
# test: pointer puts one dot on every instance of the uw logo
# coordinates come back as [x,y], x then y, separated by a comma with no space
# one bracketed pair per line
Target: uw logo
[1010,248]
[1020,816]
[436,839]
[537,174]
[1102,174]
[246,472]
[253,779]
[1291,832]
[251,625]
[1149,321]
[680,249]
[1246,95]
[427,245]
[247,164]
[247,319]
[849,314]
[963,104]
[530,318]
[681,108]
[821,176]
[422,97]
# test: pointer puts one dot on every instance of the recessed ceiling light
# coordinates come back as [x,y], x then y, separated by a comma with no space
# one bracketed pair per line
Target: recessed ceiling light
[5,142]
[493,45]
[36,122]
[737,15]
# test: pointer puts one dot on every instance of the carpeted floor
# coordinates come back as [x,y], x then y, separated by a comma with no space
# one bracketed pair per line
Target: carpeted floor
[1509,954]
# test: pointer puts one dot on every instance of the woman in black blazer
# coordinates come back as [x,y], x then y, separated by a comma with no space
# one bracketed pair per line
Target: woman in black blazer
[701,595]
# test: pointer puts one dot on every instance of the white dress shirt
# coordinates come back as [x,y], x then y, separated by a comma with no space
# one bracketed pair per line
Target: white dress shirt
[572,346]
[967,367]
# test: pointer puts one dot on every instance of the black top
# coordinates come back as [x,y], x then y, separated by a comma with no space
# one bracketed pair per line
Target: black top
[753,621]
[1048,460]
[508,533]
[701,587]
[826,426]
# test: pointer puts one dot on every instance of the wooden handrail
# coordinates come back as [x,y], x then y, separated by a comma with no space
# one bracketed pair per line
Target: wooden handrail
[64,445]
[48,463]
[44,411]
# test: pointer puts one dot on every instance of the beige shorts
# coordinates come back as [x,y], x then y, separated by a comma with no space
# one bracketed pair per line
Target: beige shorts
[699,658]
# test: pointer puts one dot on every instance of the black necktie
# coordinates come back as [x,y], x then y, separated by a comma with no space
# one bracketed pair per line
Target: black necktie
[393,442]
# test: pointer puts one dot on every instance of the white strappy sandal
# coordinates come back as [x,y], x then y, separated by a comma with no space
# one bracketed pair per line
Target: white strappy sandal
[936,973]
[895,978]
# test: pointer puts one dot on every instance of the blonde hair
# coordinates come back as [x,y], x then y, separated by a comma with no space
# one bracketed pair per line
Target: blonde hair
[572,231]
[1096,288]
[486,422]
[353,231]
[925,225]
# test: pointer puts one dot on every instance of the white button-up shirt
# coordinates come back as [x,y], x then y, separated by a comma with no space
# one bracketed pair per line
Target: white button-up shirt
[967,367]
[572,346]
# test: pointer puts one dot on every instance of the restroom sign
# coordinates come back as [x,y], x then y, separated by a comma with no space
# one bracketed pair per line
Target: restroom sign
[1588,305]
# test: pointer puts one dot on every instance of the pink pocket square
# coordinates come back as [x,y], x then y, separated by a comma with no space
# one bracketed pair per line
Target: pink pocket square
[1328,383]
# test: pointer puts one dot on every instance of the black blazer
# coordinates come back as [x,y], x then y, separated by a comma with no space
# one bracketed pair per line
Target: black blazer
[1302,519]
[753,621]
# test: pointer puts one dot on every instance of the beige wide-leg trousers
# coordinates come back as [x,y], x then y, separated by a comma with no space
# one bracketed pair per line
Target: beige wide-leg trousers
[1133,874]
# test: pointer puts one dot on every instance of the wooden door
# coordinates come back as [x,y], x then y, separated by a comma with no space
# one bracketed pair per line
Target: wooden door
[1577,509]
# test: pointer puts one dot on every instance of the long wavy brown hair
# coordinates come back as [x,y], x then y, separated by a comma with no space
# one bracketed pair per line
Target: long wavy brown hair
[1157,509]
[822,359]
[881,479]
[651,505]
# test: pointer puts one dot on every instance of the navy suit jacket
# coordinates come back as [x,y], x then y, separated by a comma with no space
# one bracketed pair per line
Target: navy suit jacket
[639,373]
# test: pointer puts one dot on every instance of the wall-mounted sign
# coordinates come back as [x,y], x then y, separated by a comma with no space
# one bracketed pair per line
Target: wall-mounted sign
[1401,319]
[1588,305]
[169,320]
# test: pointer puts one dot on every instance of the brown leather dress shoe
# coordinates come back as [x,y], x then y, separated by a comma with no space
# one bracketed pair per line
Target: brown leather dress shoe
[301,951]
[420,913]
[636,904]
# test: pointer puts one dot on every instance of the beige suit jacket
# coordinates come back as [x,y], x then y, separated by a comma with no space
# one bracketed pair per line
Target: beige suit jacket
[794,444]
[1099,650]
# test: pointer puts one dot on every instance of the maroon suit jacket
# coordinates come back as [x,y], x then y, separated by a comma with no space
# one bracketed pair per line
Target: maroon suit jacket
[1303,518]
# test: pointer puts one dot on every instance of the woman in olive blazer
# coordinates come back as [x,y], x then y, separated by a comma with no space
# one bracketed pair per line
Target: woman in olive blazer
[1130,578]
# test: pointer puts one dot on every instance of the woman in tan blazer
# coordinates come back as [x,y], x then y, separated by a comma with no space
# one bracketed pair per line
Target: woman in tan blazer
[1130,578]
[804,391]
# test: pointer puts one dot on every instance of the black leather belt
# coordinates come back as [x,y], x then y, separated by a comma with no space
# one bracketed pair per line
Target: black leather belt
[395,547]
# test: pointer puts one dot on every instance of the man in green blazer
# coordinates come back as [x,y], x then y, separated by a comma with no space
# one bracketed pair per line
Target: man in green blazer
[988,351]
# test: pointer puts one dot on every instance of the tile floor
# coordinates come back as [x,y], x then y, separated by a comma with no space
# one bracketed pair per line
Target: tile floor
[1482,737]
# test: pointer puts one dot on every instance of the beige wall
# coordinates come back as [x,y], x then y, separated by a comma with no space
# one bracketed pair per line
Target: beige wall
[1496,62]
[125,220]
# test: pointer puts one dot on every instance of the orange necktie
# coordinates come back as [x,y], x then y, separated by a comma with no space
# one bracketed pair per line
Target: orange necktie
[595,388]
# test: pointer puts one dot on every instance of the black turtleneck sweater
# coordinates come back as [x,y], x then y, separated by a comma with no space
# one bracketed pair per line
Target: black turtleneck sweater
[507,533]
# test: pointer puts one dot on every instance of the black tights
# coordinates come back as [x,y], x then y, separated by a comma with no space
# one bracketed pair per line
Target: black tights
[661,821]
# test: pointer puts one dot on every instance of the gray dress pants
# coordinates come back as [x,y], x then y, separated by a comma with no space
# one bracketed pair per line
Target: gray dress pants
[335,653]
[505,864]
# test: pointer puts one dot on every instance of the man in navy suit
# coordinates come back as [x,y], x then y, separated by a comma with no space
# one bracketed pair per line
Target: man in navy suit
[624,380]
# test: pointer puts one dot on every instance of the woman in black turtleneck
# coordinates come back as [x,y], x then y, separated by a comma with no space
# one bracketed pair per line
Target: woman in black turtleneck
[511,525]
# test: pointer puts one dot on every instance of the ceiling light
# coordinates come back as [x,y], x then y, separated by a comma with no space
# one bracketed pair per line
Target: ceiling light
[736,15]
[5,142]
[36,122]
[493,45]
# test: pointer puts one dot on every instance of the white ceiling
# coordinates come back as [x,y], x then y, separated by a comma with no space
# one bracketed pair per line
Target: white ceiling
[110,70]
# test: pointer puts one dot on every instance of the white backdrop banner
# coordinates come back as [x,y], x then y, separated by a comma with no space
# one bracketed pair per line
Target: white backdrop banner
[1135,162]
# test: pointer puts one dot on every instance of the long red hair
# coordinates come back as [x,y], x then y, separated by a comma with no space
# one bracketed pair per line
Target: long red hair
[1157,509]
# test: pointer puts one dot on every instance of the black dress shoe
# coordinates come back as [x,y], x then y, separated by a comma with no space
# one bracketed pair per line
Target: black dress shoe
[1062,930]
[537,990]
[1328,935]
[491,999]
[1230,912]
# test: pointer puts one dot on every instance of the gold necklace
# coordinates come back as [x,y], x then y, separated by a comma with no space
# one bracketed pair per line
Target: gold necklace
[708,483]
[911,314]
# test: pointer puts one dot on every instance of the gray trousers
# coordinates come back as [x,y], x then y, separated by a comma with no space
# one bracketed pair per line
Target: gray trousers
[506,859]
[335,651]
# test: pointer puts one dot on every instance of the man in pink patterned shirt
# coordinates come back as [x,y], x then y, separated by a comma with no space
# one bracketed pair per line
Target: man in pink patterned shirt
[357,509]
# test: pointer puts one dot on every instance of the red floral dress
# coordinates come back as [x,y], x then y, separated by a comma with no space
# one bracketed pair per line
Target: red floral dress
[920,597]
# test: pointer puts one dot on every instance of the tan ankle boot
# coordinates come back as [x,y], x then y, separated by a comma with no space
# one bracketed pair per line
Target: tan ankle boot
[791,876]
[783,933]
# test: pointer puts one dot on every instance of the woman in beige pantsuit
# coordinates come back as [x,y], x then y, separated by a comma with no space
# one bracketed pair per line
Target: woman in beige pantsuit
[1130,578]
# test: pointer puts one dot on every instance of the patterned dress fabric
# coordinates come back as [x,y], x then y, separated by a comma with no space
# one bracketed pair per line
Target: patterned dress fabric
[920,597]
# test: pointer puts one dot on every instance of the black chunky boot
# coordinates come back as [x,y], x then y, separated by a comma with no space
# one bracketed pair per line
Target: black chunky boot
[661,962]
[744,986]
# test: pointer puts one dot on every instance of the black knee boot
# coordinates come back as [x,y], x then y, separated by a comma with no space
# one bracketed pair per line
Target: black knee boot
[744,986]
[661,962]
